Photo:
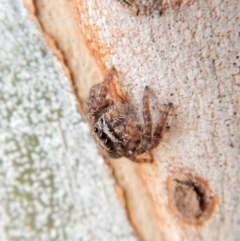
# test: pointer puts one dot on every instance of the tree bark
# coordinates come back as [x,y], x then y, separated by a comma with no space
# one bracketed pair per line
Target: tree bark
[53,183]
[187,55]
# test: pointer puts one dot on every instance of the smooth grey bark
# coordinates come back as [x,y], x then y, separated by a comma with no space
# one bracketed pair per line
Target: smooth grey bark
[53,183]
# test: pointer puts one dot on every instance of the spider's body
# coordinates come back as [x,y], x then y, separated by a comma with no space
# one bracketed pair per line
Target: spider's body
[115,127]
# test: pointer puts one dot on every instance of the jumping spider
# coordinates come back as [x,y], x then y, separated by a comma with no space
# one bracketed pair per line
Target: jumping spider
[114,126]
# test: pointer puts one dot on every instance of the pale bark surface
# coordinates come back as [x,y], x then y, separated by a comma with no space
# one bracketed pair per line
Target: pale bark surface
[187,56]
[53,183]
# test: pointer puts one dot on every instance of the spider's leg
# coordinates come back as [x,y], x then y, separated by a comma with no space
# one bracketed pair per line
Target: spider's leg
[157,135]
[97,101]
[128,6]
[99,92]
[92,96]
[105,87]
[147,116]
[147,131]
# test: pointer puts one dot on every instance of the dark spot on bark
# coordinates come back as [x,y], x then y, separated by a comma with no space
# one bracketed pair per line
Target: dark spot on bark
[191,198]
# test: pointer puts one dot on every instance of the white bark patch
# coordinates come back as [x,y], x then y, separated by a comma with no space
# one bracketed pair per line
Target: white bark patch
[53,183]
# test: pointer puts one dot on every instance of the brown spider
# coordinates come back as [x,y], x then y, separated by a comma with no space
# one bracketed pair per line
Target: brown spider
[114,126]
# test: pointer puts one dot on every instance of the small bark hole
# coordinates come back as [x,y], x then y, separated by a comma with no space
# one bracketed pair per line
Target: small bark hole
[191,198]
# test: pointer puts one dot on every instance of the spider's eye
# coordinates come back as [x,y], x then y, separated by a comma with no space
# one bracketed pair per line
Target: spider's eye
[102,135]
[107,141]
[95,129]
[137,142]
[110,148]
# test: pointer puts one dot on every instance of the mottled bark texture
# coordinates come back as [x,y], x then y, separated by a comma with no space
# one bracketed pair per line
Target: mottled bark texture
[188,56]
[53,183]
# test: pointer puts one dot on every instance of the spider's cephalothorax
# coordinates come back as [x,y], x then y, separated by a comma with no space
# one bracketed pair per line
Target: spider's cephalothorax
[115,127]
